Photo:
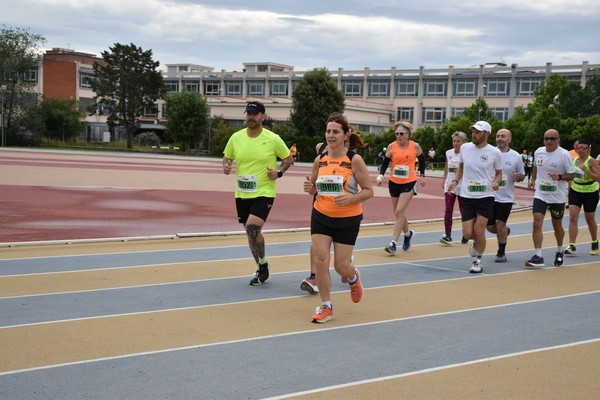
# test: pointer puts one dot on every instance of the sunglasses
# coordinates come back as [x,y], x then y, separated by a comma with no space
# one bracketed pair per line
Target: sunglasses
[401,133]
[551,138]
[582,148]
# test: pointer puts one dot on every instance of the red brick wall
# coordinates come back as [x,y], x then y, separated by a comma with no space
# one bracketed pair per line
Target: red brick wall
[60,79]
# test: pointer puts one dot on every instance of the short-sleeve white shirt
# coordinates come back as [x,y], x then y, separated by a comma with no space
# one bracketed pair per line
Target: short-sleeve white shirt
[559,161]
[452,160]
[479,170]
[512,163]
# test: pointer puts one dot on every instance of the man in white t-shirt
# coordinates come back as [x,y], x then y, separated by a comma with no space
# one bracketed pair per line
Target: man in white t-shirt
[552,169]
[479,173]
[431,154]
[512,171]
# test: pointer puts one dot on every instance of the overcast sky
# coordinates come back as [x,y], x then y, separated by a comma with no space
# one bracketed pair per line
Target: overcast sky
[310,34]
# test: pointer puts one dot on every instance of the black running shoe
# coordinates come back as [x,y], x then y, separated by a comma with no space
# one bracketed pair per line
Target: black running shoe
[261,275]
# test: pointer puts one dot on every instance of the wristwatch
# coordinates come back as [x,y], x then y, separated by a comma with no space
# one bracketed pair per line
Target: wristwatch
[279,173]
[560,177]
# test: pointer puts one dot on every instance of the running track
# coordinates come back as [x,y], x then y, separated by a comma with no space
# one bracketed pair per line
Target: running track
[176,318]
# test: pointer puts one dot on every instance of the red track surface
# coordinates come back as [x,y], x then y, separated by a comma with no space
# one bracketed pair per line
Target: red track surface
[48,195]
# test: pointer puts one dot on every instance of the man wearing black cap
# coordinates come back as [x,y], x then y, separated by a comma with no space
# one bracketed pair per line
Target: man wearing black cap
[255,150]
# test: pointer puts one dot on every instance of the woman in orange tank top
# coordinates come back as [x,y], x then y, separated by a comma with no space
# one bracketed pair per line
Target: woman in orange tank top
[403,154]
[336,178]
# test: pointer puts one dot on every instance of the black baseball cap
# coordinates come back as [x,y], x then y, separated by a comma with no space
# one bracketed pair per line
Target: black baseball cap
[255,107]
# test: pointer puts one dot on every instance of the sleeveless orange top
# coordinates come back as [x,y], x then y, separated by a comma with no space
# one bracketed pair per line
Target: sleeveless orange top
[403,163]
[336,177]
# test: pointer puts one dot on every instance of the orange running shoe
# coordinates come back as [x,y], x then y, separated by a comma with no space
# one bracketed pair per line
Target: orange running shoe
[356,290]
[322,315]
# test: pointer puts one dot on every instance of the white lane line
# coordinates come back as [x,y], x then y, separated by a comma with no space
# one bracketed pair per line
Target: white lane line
[312,331]
[427,370]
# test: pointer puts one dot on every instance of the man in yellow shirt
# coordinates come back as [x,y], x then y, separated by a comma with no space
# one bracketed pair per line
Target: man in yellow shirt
[255,150]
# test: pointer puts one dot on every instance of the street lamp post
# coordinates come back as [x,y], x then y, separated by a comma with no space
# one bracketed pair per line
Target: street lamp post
[479,103]
[379,124]
[2,89]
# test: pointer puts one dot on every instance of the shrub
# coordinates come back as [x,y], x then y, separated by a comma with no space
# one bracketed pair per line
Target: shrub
[147,139]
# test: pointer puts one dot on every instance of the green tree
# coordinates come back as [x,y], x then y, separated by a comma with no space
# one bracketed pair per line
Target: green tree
[569,99]
[19,56]
[188,118]
[479,111]
[593,86]
[220,134]
[128,79]
[589,128]
[62,120]
[315,97]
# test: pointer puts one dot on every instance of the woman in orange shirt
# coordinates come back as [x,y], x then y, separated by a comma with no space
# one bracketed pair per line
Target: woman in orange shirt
[340,180]
[403,153]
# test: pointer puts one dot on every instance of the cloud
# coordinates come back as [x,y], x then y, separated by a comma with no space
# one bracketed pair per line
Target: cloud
[349,34]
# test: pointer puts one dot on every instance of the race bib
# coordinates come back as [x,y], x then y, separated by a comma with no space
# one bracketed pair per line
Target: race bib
[475,186]
[330,185]
[503,181]
[579,174]
[452,168]
[548,186]
[401,171]
[246,183]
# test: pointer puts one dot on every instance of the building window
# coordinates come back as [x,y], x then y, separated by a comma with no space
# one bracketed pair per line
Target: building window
[233,88]
[501,113]
[458,111]
[434,115]
[151,111]
[279,89]
[404,89]
[85,80]
[496,88]
[172,86]
[256,89]
[379,89]
[352,89]
[30,75]
[435,88]
[87,105]
[211,89]
[465,88]
[406,114]
[526,86]
[191,86]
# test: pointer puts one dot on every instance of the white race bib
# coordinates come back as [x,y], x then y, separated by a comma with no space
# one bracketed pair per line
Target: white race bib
[330,185]
[401,171]
[503,182]
[548,186]
[247,183]
[476,186]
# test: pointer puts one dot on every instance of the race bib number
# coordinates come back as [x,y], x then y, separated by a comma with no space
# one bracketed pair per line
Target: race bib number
[475,186]
[330,185]
[401,171]
[548,186]
[579,174]
[503,181]
[452,168]
[247,183]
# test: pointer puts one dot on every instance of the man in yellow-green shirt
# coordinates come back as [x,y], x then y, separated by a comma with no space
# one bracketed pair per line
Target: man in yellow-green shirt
[255,150]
